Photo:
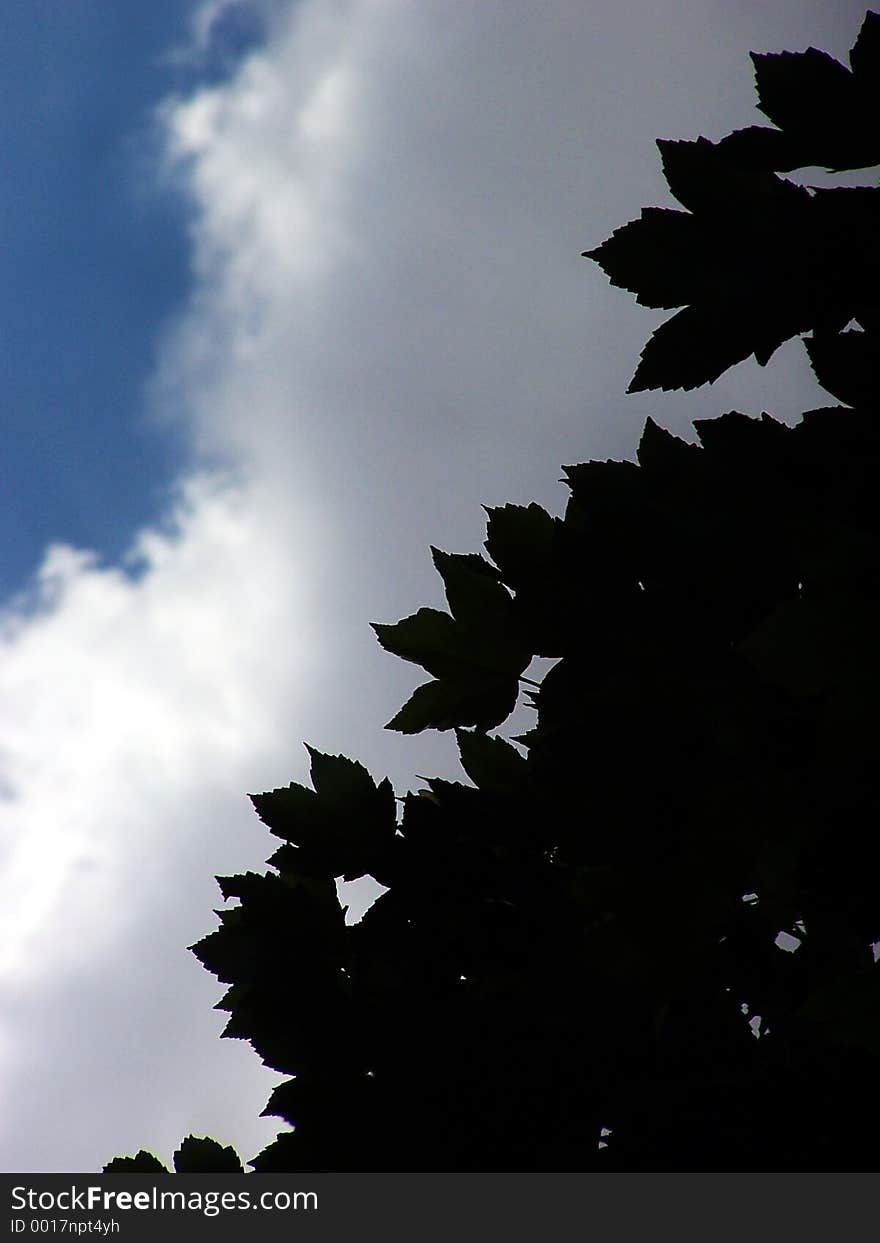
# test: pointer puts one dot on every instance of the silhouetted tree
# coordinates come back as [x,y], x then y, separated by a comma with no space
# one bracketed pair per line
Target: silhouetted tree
[577,964]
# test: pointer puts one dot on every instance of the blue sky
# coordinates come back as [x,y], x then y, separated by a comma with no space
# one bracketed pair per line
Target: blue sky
[288,291]
[93,259]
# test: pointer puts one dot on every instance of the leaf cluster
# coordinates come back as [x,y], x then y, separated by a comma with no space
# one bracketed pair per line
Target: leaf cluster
[639,937]
[755,259]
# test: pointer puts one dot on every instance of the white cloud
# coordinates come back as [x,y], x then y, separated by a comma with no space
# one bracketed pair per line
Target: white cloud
[116,694]
[389,325]
[134,715]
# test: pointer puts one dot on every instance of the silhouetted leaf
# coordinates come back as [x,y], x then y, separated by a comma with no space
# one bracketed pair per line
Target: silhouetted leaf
[521,540]
[475,594]
[697,346]
[449,650]
[848,366]
[491,763]
[482,702]
[476,658]
[741,441]
[704,181]
[206,1156]
[343,827]
[281,1156]
[142,1162]
[864,57]
[539,562]
[822,107]
[274,909]
[808,94]
[660,452]
[761,149]
[654,257]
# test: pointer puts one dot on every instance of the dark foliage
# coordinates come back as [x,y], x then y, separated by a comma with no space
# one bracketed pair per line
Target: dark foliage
[577,964]
[194,1156]
[756,259]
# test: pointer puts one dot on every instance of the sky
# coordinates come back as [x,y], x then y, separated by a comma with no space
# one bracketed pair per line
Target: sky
[289,289]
